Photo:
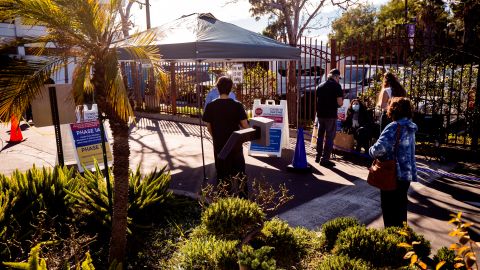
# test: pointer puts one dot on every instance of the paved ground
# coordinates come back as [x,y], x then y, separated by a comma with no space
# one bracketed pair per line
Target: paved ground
[320,196]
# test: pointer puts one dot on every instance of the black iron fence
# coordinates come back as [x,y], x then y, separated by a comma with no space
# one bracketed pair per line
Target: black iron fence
[441,79]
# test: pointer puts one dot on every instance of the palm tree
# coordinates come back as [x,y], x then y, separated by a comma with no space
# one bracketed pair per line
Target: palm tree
[87,31]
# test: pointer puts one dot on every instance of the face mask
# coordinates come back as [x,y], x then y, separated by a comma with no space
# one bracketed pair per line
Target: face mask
[356,107]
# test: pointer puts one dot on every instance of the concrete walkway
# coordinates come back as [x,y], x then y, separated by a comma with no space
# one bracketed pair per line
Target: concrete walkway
[318,197]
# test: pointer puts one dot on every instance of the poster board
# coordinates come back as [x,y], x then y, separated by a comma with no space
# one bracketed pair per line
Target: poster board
[237,73]
[86,112]
[87,143]
[279,133]
[41,107]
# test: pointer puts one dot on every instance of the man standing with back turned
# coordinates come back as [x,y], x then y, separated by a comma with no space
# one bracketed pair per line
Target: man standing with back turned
[329,99]
[223,117]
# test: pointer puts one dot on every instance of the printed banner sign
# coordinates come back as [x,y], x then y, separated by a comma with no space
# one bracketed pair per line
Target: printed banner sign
[88,144]
[278,113]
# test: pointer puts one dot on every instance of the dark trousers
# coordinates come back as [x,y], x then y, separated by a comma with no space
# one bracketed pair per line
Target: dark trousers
[327,128]
[232,166]
[362,136]
[394,205]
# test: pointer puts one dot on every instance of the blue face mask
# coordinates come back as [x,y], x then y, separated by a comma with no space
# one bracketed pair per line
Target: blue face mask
[356,107]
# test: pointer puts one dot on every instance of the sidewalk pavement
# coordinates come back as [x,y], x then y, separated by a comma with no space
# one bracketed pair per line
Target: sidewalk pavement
[318,197]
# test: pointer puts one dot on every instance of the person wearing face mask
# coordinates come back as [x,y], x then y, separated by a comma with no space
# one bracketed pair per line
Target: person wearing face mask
[359,122]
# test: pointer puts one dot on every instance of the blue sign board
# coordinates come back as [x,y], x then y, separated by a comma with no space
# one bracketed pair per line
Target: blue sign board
[275,142]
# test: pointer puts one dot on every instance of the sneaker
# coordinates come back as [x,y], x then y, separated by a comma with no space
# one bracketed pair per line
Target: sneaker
[327,163]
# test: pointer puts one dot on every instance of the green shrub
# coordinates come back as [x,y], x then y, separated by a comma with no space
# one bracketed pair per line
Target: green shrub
[290,245]
[375,246]
[35,262]
[332,228]
[448,256]
[257,258]
[407,235]
[146,195]
[199,232]
[207,253]
[232,218]
[31,196]
[342,262]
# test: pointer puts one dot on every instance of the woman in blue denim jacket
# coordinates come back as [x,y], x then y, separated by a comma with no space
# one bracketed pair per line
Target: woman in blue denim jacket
[394,203]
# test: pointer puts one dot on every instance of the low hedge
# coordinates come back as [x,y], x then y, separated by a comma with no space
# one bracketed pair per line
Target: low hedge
[332,228]
[232,218]
[342,262]
[207,253]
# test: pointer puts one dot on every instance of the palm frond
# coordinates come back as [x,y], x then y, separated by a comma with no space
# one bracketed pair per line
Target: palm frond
[139,47]
[116,91]
[81,83]
[22,81]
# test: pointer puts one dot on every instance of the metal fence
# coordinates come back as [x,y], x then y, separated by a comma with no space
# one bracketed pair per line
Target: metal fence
[439,76]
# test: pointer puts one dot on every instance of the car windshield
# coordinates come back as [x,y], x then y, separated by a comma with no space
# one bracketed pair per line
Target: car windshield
[353,75]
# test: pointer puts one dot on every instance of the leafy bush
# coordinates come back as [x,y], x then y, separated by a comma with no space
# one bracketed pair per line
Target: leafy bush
[257,258]
[448,256]
[24,197]
[207,253]
[290,245]
[232,218]
[379,247]
[35,262]
[146,195]
[342,262]
[421,247]
[332,228]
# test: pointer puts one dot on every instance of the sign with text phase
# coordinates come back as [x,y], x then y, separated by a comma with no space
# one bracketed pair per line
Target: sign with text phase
[87,141]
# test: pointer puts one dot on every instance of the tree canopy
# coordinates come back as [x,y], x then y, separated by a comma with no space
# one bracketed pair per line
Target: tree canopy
[354,23]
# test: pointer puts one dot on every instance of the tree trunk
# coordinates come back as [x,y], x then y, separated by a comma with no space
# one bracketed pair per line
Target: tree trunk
[121,153]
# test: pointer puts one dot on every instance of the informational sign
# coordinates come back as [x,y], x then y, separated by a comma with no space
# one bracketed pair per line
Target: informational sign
[342,113]
[87,141]
[278,132]
[86,113]
[237,73]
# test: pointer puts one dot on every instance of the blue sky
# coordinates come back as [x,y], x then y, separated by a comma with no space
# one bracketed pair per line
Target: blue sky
[163,11]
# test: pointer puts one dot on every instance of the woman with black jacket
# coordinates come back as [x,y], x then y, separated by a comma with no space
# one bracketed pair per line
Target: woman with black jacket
[359,122]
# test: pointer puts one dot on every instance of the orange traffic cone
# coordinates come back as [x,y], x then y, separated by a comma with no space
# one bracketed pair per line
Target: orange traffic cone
[15,132]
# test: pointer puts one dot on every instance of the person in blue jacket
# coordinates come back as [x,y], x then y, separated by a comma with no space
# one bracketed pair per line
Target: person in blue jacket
[394,203]
[214,94]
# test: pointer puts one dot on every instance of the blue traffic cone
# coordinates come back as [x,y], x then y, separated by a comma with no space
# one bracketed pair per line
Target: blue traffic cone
[299,162]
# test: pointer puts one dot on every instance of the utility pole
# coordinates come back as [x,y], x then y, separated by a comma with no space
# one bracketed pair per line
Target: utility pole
[147,10]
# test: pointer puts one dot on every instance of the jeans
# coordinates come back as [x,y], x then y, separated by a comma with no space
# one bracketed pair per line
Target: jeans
[327,127]
[394,205]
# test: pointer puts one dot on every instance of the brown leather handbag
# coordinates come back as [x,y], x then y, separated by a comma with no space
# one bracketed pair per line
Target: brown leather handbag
[383,174]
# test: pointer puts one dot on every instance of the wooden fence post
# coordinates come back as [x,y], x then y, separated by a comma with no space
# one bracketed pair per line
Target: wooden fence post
[333,53]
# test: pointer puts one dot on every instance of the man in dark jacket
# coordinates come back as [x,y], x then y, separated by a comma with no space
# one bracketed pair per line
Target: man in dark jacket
[329,98]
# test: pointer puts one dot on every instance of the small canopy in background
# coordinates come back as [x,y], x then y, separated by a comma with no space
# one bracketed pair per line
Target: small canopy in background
[201,37]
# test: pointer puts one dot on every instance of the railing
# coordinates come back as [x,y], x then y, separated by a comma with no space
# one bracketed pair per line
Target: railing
[441,81]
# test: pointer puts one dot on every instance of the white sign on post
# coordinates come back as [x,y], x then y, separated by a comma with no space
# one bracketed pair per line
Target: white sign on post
[237,73]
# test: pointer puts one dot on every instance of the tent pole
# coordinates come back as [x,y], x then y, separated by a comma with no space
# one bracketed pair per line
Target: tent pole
[199,104]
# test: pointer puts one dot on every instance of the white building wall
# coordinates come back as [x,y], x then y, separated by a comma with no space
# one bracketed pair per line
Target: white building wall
[8,31]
